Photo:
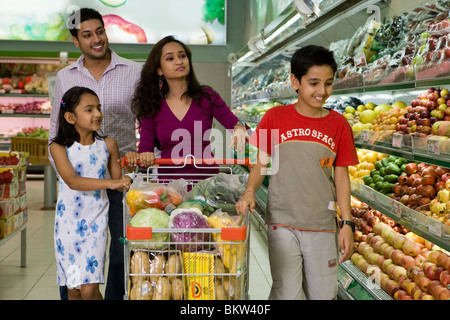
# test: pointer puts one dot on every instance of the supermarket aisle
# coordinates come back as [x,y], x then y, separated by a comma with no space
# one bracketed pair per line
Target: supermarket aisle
[38,280]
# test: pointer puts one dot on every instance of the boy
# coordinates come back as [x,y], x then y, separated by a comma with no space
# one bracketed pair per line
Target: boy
[310,147]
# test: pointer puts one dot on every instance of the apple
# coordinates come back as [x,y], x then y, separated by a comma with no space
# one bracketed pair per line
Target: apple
[383,247]
[411,248]
[388,252]
[433,256]
[445,294]
[442,259]
[397,256]
[386,263]
[415,292]
[366,251]
[374,239]
[423,283]
[407,261]
[427,297]
[379,227]
[445,280]
[399,240]
[411,270]
[418,275]
[372,258]
[377,246]
[393,287]
[430,271]
[419,260]
[400,294]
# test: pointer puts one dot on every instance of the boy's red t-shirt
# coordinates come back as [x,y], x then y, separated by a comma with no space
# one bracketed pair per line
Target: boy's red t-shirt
[304,152]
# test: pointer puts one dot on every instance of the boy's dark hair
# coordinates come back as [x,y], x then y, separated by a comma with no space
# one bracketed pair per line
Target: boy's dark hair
[67,134]
[80,16]
[312,55]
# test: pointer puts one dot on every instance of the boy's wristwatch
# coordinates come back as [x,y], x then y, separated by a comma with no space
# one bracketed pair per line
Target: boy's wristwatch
[350,223]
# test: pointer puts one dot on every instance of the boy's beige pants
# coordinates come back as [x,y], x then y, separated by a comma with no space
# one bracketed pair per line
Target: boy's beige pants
[303,264]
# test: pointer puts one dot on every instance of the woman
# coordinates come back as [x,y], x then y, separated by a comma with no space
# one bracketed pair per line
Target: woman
[175,113]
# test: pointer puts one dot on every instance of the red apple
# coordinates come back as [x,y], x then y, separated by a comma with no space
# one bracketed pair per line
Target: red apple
[397,256]
[423,283]
[430,271]
[442,259]
[445,294]
[407,261]
[433,256]
[419,260]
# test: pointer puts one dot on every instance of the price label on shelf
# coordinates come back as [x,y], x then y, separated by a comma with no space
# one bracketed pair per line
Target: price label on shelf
[346,281]
[433,146]
[367,193]
[397,140]
[365,135]
[397,208]
[435,227]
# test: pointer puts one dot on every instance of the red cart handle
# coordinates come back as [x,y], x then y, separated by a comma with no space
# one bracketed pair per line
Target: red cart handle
[190,160]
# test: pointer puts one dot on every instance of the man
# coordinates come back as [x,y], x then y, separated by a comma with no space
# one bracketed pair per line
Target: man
[113,79]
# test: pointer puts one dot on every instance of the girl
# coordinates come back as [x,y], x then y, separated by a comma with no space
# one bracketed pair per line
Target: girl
[175,112]
[83,159]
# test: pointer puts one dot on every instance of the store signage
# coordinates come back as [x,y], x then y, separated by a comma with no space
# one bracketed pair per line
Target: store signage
[201,22]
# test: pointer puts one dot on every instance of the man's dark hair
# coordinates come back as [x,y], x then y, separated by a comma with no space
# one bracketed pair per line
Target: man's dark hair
[80,16]
[309,56]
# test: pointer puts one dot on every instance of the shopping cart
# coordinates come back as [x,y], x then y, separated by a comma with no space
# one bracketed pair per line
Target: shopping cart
[188,263]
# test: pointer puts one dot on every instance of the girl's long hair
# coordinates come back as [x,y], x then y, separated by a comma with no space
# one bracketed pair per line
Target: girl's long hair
[67,134]
[148,95]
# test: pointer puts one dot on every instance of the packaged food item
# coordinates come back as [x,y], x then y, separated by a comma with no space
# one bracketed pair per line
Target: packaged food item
[198,268]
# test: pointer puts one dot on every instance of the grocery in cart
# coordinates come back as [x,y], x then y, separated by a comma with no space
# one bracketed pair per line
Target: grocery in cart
[184,239]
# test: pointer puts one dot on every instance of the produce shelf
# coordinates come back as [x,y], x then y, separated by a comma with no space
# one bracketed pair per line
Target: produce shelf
[370,288]
[422,225]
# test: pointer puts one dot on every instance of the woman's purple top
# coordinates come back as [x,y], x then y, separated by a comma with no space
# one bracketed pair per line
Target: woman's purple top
[191,135]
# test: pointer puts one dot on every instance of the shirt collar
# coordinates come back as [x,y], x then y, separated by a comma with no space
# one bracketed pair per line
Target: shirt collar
[115,60]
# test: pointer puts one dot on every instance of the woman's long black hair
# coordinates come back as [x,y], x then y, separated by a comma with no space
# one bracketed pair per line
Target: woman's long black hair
[147,96]
[67,134]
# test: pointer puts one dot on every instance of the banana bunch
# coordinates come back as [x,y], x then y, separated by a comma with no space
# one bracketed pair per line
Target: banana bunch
[232,254]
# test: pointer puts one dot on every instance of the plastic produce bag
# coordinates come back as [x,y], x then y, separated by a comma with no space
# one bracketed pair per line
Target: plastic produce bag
[220,191]
[232,254]
[151,195]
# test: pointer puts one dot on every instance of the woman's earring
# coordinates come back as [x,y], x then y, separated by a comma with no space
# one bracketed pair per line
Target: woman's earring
[161,83]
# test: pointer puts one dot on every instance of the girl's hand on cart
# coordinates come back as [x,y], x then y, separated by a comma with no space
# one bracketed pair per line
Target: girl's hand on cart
[131,159]
[118,184]
[247,202]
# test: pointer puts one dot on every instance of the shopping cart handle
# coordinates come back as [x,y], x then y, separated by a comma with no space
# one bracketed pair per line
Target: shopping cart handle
[191,160]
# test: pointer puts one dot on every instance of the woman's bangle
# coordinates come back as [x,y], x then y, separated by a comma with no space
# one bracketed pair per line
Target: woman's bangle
[248,191]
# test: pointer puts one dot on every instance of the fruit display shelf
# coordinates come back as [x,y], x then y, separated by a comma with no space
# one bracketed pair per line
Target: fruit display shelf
[422,225]
[432,149]
[354,282]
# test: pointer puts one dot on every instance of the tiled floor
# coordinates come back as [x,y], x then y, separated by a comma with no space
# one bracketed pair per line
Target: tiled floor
[37,281]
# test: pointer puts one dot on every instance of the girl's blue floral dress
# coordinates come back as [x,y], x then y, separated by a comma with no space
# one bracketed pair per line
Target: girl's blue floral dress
[81,222]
